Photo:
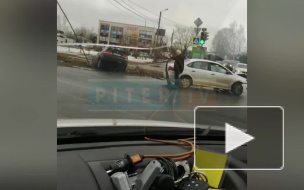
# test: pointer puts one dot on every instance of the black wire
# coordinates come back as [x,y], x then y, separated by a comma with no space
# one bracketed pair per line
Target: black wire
[138,11]
[169,167]
[133,11]
[73,31]
[143,8]
[110,1]
[157,14]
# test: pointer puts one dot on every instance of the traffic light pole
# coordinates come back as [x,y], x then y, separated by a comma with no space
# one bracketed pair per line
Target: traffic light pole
[202,40]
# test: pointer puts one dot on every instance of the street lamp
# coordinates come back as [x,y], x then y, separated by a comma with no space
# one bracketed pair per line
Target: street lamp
[160,14]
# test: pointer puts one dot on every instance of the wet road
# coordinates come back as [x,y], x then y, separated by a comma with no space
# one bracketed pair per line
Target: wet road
[91,94]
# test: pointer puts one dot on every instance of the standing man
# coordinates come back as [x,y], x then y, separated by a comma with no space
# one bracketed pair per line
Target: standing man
[178,66]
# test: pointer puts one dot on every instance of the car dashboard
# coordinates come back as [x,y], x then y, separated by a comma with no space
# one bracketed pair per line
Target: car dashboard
[84,165]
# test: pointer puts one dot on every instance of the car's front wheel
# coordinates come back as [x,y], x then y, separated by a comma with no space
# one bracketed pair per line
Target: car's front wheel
[237,89]
[186,81]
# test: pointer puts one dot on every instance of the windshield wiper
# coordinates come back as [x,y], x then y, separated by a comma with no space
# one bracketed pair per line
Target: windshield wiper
[124,131]
[77,133]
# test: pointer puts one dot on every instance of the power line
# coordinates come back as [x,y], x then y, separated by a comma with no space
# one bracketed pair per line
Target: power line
[157,14]
[134,12]
[138,11]
[143,8]
[117,6]
[73,31]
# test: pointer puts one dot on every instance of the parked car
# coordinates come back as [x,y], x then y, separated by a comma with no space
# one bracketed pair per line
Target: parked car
[241,68]
[113,59]
[206,73]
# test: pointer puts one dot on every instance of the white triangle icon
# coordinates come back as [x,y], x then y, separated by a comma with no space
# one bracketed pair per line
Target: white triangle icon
[235,138]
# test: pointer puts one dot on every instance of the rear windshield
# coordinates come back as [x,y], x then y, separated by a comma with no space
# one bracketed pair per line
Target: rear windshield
[117,51]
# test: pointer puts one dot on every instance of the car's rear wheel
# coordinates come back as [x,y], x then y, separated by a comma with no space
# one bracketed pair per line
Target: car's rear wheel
[237,89]
[186,81]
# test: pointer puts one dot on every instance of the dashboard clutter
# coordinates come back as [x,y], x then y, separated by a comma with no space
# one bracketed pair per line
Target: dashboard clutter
[164,172]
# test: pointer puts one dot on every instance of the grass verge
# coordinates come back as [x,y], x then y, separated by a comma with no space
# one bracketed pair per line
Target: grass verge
[133,68]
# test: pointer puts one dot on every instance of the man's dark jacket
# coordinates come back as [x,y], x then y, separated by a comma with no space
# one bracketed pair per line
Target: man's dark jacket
[178,63]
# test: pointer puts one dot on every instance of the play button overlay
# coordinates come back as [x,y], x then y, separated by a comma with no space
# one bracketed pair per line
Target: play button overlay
[235,138]
[239,138]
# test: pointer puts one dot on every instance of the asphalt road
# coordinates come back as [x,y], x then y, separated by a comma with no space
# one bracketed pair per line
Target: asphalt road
[91,94]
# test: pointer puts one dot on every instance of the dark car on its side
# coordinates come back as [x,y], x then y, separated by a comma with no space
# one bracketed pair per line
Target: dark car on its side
[112,59]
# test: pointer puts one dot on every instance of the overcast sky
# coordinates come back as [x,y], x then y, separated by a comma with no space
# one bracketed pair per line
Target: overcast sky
[215,14]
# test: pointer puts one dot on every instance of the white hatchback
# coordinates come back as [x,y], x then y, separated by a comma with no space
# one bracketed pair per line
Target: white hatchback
[206,73]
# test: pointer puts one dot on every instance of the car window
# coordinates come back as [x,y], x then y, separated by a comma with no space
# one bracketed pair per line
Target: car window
[217,68]
[118,51]
[199,65]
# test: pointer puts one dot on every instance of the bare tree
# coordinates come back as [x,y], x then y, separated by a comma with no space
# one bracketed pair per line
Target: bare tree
[241,41]
[182,37]
[165,40]
[59,25]
[230,41]
[221,42]
[65,26]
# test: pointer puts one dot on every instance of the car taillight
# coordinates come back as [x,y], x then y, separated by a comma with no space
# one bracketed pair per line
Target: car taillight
[170,68]
[108,52]
[125,57]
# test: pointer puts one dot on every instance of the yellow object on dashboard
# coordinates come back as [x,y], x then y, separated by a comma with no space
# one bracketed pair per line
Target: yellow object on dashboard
[205,160]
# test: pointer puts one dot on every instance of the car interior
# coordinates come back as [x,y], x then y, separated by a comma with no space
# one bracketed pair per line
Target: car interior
[84,159]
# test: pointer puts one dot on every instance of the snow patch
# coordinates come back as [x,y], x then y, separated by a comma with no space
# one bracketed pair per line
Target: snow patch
[139,60]
[74,51]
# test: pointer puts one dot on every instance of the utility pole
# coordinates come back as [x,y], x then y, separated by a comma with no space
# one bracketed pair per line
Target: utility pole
[160,13]
[154,42]
[171,49]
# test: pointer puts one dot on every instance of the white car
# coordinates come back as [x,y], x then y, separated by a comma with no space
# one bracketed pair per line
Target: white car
[206,73]
[241,68]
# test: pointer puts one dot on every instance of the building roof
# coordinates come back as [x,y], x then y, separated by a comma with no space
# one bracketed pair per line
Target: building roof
[126,24]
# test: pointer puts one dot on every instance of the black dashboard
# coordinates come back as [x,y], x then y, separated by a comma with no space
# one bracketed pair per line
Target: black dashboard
[83,166]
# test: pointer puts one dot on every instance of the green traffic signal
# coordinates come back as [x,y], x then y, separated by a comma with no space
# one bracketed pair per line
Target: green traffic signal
[202,42]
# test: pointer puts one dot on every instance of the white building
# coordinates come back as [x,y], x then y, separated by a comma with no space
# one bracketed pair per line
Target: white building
[61,38]
[115,33]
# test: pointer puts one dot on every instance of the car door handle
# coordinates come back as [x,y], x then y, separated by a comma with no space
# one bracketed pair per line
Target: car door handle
[193,71]
[212,74]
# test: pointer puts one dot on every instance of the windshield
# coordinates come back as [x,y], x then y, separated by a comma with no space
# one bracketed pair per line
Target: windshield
[124,59]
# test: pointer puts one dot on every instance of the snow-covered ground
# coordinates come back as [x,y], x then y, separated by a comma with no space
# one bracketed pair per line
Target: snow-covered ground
[139,60]
[74,51]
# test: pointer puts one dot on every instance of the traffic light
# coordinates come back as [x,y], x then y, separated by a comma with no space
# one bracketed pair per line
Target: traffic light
[203,36]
